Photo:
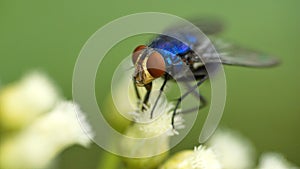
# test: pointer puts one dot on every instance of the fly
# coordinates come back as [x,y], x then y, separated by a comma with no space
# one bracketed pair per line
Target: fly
[167,57]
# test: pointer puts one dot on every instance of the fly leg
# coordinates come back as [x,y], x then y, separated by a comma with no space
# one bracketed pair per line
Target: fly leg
[160,92]
[138,96]
[198,96]
[191,90]
[137,93]
[203,104]
[146,98]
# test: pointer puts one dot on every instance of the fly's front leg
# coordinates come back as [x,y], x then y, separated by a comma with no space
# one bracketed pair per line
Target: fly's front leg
[148,87]
[146,98]
[138,96]
[191,90]
[160,92]
[137,93]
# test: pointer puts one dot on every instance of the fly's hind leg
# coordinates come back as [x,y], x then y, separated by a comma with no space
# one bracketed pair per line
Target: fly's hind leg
[190,90]
[198,96]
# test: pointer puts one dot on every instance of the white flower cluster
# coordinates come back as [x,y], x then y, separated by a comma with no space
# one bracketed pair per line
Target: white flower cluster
[160,124]
[53,126]
[155,133]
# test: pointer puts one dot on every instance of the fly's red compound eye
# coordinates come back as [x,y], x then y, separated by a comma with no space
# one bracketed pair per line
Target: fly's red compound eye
[136,52]
[156,65]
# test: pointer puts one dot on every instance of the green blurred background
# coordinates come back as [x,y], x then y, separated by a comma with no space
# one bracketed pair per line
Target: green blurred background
[263,104]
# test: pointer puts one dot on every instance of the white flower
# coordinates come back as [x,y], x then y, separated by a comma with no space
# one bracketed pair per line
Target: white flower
[47,136]
[161,122]
[200,158]
[274,161]
[233,150]
[204,158]
[23,101]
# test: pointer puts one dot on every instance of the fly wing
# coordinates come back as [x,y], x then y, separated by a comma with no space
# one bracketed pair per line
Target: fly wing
[234,55]
[214,50]
[208,26]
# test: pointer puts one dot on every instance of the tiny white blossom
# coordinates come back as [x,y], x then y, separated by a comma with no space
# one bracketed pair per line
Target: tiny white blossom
[233,150]
[274,161]
[23,101]
[161,122]
[201,158]
[204,158]
[47,136]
